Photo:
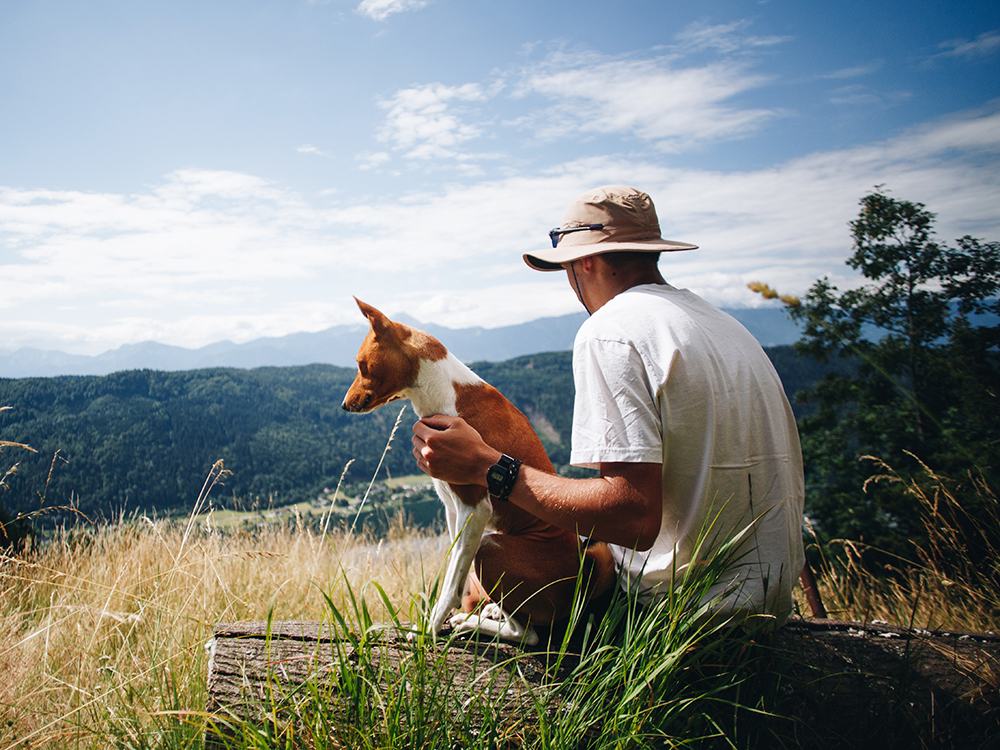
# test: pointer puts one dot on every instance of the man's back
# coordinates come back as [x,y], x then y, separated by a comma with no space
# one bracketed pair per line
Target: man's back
[664,377]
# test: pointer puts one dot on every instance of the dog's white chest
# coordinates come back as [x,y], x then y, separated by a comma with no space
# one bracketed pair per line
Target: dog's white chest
[434,392]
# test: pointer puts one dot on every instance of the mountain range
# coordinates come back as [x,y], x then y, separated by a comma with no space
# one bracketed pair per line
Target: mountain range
[339,345]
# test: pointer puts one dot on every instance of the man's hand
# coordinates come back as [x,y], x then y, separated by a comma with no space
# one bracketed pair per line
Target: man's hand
[623,506]
[449,449]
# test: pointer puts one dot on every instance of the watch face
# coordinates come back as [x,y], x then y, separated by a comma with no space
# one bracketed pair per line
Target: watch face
[495,476]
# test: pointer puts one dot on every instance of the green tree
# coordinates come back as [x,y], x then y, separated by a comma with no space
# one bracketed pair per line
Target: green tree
[922,333]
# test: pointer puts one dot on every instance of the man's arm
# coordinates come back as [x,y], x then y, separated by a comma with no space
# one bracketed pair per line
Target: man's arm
[623,506]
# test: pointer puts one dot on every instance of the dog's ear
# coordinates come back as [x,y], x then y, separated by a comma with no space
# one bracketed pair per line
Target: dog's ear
[378,321]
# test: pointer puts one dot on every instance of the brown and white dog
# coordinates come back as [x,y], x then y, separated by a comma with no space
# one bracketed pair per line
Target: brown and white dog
[397,361]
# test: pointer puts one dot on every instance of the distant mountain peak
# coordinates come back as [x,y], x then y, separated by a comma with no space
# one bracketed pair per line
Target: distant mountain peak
[339,345]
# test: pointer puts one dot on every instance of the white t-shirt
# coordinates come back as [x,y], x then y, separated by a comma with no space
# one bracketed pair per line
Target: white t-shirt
[663,377]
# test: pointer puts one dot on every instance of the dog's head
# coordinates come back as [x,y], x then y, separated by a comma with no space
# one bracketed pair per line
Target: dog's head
[388,361]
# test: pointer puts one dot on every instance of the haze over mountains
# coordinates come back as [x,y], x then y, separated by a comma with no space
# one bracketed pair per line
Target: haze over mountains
[339,345]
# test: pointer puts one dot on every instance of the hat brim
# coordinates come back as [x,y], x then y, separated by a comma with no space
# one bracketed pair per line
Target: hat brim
[552,259]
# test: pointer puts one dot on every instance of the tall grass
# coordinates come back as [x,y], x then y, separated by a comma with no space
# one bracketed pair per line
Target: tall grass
[662,675]
[103,629]
[667,673]
[103,632]
[952,582]
[380,692]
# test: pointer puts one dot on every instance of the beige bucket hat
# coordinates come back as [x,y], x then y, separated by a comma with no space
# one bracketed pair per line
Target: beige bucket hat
[609,219]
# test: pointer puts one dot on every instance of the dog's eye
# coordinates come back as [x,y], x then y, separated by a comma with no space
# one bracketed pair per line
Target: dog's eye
[363,368]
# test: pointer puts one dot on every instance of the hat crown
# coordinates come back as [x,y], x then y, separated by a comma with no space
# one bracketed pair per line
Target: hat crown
[626,213]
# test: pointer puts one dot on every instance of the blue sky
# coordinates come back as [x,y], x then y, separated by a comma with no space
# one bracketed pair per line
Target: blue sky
[189,172]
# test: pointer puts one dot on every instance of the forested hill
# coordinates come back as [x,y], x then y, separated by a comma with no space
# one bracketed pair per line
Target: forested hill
[146,439]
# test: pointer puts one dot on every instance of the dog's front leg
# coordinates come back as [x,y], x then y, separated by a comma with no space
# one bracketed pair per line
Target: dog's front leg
[469,523]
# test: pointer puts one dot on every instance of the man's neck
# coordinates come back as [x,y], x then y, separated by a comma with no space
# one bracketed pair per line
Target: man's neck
[618,283]
[612,281]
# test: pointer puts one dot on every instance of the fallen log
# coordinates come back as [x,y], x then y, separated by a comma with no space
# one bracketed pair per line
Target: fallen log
[846,684]
[261,672]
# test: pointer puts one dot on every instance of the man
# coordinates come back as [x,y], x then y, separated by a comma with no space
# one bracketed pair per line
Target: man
[679,409]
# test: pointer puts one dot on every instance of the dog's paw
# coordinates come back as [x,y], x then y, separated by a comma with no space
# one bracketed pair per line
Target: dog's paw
[492,611]
[492,621]
[464,622]
[428,636]
[459,619]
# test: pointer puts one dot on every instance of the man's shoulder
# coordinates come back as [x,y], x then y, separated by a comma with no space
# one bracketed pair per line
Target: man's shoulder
[629,323]
[656,304]
[656,320]
[656,299]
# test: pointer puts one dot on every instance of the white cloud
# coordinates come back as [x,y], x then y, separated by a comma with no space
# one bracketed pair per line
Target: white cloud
[531,299]
[379,10]
[723,38]
[308,149]
[656,100]
[662,101]
[373,160]
[855,71]
[207,255]
[863,96]
[422,121]
[197,231]
[984,45]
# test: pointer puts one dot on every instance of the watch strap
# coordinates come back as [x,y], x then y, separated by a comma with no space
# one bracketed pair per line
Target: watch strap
[501,477]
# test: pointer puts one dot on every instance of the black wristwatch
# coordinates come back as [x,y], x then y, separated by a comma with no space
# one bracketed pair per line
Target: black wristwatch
[501,477]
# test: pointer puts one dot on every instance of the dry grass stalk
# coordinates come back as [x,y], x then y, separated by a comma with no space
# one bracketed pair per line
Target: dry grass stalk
[93,623]
[955,583]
